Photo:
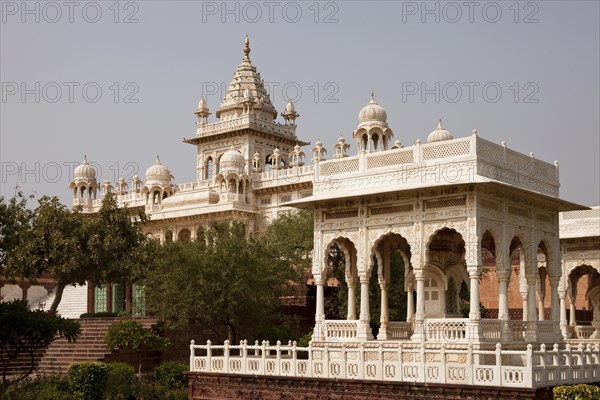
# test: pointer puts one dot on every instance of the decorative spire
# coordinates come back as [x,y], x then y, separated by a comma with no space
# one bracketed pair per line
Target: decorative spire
[85,161]
[373,101]
[440,125]
[247,49]
[157,159]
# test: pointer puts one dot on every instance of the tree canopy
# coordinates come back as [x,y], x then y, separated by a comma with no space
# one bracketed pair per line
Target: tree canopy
[229,279]
[24,331]
[70,246]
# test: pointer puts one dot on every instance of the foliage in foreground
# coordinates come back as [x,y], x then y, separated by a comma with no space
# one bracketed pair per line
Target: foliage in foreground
[70,246]
[131,335]
[576,392]
[24,331]
[88,379]
[119,385]
[229,279]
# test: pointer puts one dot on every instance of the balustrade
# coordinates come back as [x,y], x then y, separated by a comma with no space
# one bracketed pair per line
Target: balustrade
[405,362]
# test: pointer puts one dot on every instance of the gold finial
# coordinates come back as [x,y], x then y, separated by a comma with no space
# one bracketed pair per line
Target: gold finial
[247,49]
[440,125]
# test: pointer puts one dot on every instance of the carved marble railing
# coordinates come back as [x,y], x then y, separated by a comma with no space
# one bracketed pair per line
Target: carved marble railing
[283,176]
[246,122]
[518,330]
[583,331]
[491,330]
[399,330]
[545,331]
[337,329]
[404,362]
[462,160]
[444,330]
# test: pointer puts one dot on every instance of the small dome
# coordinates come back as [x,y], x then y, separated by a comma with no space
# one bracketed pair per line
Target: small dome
[158,173]
[232,161]
[202,107]
[372,112]
[84,171]
[439,134]
[290,107]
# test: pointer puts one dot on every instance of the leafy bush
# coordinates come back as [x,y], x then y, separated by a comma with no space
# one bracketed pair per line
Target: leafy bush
[132,335]
[576,392]
[88,379]
[170,374]
[47,388]
[119,385]
[154,391]
[305,340]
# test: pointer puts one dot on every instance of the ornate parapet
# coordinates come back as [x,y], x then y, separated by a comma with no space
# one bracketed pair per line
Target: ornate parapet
[464,160]
[404,362]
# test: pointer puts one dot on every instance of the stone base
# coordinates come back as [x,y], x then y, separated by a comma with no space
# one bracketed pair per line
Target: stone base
[205,386]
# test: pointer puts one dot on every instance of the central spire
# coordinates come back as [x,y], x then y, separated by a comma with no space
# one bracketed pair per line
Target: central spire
[247,49]
[246,93]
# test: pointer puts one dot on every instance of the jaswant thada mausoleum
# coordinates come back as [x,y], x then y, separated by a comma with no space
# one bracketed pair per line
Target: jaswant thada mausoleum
[449,206]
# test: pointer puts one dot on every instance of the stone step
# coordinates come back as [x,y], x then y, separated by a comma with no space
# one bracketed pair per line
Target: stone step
[89,346]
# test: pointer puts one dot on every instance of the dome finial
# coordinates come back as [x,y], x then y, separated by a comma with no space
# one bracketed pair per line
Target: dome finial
[247,49]
[157,159]
[373,101]
[85,161]
[440,125]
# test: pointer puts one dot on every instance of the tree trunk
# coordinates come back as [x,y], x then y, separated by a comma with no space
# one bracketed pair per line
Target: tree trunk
[140,366]
[60,288]
[231,333]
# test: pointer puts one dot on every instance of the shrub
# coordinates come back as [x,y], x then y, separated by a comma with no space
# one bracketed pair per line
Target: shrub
[88,379]
[576,392]
[305,340]
[170,374]
[154,391]
[42,387]
[132,335]
[119,385]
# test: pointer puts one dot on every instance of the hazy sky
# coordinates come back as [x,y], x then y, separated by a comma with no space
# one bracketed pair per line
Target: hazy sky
[120,81]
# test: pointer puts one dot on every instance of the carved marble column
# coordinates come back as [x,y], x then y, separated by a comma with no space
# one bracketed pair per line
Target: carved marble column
[320,310]
[554,302]
[572,319]
[503,312]
[419,329]
[563,315]
[364,328]
[410,305]
[474,310]
[524,296]
[384,318]
[473,331]
[531,298]
[351,300]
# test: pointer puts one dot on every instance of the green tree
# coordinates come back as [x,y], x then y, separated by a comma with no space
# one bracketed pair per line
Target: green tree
[116,247]
[52,244]
[232,281]
[15,221]
[291,236]
[131,335]
[24,331]
[73,247]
